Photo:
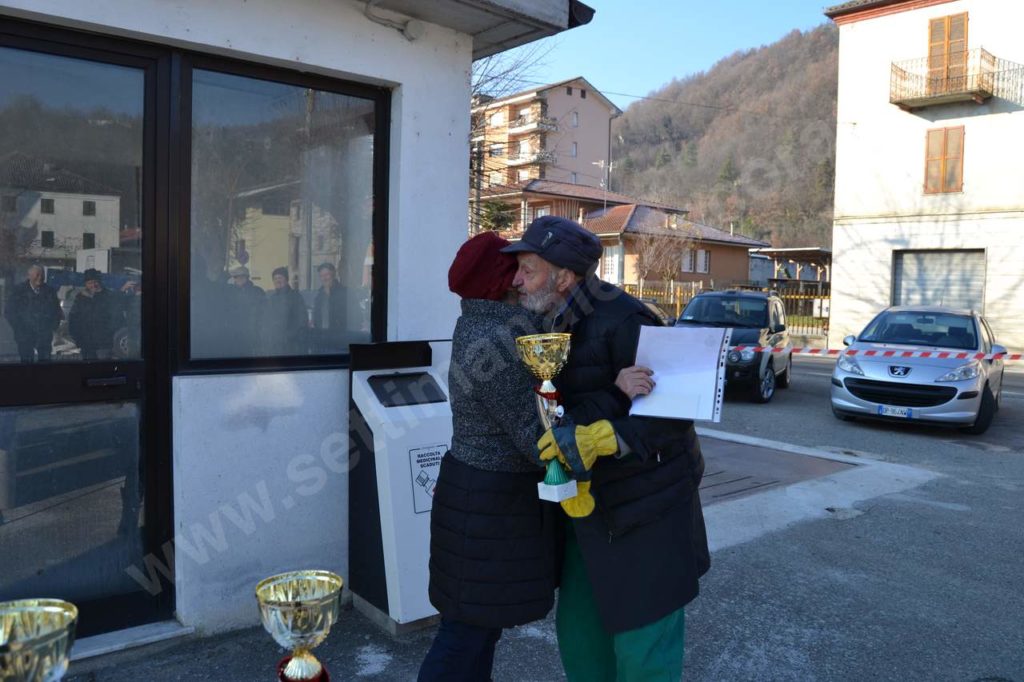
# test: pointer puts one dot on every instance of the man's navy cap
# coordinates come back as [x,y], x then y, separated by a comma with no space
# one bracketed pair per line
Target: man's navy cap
[560,242]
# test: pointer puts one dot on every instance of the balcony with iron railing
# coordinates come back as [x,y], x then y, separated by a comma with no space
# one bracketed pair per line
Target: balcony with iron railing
[527,157]
[970,76]
[530,122]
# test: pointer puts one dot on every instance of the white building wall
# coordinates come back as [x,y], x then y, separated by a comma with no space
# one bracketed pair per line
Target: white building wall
[229,441]
[67,222]
[880,204]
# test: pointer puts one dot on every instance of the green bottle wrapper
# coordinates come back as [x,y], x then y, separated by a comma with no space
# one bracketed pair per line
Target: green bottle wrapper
[556,474]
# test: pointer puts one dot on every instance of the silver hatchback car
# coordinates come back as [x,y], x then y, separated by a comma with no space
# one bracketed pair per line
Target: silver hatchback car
[920,364]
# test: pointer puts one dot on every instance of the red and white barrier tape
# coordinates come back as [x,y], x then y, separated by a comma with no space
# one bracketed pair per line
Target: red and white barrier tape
[941,355]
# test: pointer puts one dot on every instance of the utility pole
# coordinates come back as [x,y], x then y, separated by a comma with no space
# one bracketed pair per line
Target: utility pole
[478,172]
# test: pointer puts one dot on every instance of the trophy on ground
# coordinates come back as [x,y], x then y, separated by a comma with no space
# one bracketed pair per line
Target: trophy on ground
[298,610]
[35,639]
[545,355]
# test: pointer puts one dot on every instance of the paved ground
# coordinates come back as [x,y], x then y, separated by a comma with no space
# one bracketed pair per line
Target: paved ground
[904,583]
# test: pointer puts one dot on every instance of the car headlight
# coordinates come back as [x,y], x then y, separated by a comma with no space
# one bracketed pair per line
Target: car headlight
[848,364]
[969,371]
[733,356]
[746,355]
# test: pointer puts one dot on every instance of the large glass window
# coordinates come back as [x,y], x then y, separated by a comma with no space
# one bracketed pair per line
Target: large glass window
[71,139]
[281,218]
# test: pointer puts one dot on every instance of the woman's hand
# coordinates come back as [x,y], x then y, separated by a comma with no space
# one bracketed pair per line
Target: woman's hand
[635,380]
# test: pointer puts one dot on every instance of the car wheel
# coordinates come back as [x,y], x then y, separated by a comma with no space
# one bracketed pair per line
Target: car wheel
[986,411]
[786,378]
[764,388]
[841,416]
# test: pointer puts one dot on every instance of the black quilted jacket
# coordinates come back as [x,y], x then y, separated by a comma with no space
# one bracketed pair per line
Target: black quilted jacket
[493,543]
[645,545]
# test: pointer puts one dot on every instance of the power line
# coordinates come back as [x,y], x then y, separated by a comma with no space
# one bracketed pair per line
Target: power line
[702,105]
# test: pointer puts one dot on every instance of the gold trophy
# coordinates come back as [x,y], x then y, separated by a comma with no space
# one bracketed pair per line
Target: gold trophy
[298,610]
[35,639]
[545,355]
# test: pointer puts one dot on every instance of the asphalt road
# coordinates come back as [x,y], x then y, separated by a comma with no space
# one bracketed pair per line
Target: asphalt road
[801,415]
[920,585]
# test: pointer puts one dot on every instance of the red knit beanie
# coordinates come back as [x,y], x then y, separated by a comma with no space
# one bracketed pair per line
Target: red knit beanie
[480,270]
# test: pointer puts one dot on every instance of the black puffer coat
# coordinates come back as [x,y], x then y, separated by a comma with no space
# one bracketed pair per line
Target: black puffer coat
[493,543]
[645,545]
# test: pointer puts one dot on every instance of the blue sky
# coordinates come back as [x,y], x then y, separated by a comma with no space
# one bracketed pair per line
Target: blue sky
[636,46]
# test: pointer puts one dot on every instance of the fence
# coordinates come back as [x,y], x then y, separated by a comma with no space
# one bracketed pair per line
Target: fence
[672,296]
[807,304]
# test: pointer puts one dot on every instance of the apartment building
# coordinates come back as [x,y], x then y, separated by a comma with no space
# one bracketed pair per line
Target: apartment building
[557,132]
[928,201]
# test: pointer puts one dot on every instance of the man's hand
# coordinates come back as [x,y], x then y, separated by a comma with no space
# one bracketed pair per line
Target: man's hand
[577,447]
[581,505]
[635,380]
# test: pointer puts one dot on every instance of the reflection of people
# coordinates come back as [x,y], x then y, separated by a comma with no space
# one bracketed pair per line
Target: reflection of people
[94,318]
[249,301]
[34,313]
[330,312]
[285,322]
[492,542]
[632,566]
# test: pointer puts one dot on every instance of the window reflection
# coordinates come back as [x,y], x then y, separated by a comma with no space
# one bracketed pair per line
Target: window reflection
[281,232]
[70,208]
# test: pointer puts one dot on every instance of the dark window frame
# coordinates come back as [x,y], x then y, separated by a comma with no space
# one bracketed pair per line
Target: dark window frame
[59,383]
[183,363]
[47,206]
[88,240]
[47,239]
[88,207]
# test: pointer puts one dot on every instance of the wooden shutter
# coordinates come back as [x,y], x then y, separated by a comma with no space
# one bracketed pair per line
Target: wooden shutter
[933,161]
[944,160]
[947,53]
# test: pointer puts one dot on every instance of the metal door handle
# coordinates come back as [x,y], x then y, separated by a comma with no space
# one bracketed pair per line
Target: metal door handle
[106,381]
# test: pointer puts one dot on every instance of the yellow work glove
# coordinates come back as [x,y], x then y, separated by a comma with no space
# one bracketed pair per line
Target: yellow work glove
[578,447]
[581,505]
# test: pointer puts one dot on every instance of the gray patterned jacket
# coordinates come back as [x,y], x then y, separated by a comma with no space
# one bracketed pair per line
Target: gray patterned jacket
[494,413]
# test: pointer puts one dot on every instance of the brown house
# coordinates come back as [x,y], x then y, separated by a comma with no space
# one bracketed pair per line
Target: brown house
[535,198]
[651,243]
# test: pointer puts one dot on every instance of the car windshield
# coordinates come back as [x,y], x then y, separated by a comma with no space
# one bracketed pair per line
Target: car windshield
[726,311]
[941,330]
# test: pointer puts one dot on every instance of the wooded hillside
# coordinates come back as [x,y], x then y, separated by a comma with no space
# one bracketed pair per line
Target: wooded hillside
[749,142]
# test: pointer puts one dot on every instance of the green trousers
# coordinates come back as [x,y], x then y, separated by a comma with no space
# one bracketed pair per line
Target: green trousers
[651,653]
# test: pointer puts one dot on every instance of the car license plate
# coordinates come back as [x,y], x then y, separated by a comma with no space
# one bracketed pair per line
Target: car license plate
[890,411]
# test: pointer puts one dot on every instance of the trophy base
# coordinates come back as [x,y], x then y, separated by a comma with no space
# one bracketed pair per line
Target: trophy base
[556,493]
[323,677]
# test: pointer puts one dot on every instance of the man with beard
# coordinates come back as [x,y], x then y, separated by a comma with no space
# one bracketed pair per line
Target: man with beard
[633,564]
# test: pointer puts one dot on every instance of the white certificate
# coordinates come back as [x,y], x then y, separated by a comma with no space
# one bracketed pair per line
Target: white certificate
[689,372]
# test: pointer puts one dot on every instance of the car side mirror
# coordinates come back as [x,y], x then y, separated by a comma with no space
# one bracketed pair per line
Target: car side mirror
[849,340]
[998,350]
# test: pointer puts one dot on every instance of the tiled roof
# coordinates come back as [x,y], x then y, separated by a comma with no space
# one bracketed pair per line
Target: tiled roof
[543,88]
[610,220]
[21,171]
[646,219]
[854,5]
[567,189]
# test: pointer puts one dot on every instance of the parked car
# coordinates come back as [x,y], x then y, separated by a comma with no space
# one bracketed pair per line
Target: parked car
[943,390]
[659,312]
[757,319]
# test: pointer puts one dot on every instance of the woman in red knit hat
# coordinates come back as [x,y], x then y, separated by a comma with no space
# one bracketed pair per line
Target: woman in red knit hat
[493,543]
